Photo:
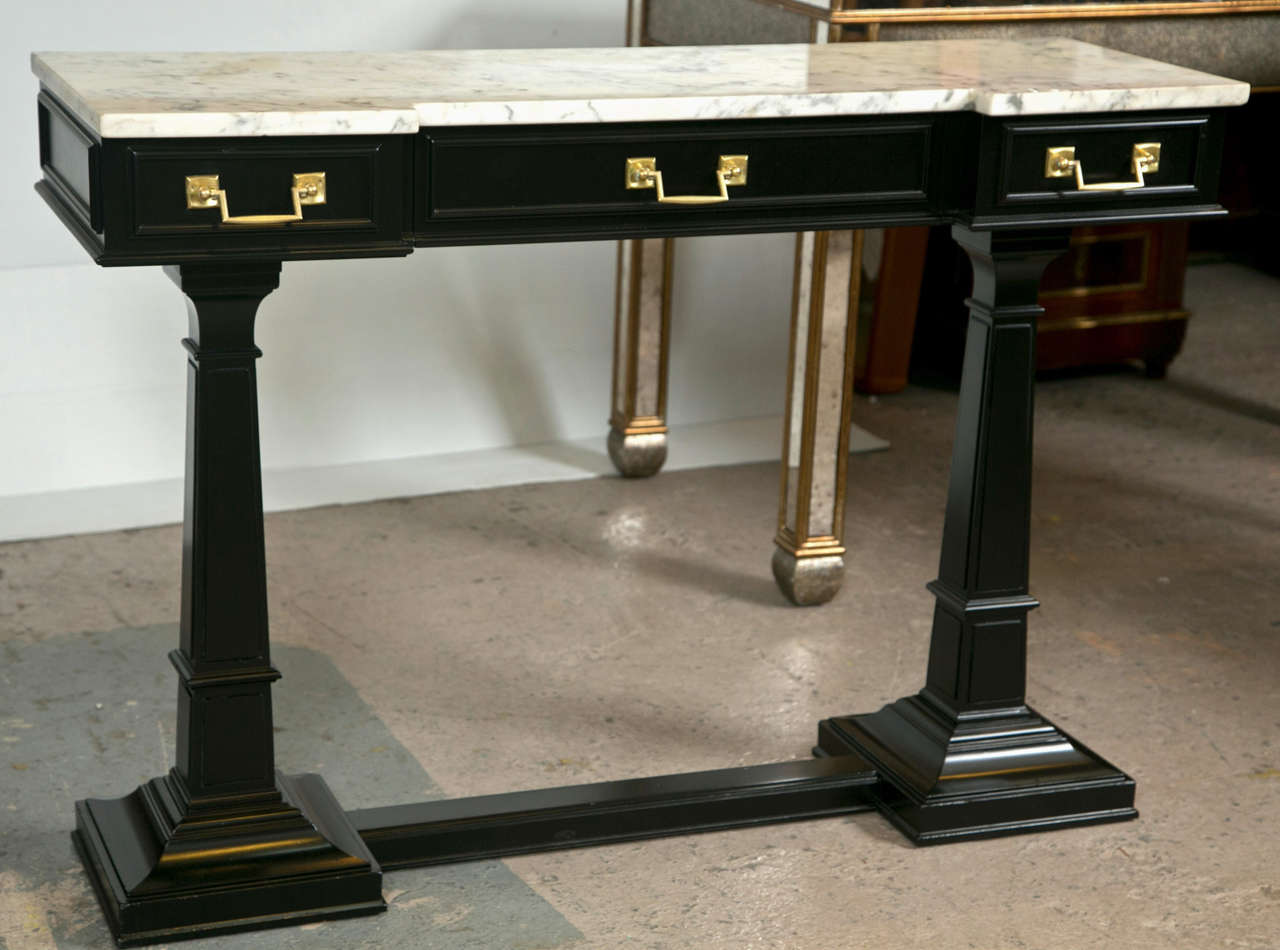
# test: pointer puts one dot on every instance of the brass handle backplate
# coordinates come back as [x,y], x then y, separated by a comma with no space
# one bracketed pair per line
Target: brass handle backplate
[204,191]
[731,171]
[1061,162]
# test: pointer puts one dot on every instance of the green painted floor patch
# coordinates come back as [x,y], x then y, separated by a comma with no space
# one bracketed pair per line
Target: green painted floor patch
[92,715]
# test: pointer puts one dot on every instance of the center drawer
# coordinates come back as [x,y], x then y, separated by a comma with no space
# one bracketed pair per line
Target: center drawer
[579,175]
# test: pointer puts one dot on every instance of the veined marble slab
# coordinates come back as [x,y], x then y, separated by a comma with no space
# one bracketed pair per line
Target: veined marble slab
[150,95]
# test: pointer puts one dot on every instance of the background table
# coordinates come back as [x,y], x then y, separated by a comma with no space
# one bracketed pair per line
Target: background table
[1118,297]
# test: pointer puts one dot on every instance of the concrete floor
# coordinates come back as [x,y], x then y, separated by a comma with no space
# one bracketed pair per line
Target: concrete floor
[572,632]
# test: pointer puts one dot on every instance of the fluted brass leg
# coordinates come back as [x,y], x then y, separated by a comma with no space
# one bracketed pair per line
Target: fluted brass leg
[809,560]
[638,421]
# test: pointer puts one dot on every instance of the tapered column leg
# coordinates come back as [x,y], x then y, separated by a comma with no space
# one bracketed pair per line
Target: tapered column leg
[808,557]
[638,421]
[223,842]
[966,757]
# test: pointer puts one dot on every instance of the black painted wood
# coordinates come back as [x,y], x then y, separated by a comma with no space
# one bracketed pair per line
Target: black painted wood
[490,185]
[580,170]
[945,779]
[172,859]
[224,703]
[1009,190]
[1105,147]
[966,757]
[224,843]
[575,816]
[70,160]
[136,212]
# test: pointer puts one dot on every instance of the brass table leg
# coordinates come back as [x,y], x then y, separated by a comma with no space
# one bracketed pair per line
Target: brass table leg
[808,561]
[637,423]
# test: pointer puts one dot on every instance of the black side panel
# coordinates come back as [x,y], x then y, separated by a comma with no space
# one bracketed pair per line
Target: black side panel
[69,159]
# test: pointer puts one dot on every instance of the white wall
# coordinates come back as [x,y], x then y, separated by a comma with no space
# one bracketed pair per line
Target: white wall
[448,350]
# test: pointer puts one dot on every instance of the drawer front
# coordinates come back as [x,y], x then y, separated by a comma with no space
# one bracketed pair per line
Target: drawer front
[1104,149]
[540,176]
[257,181]
[364,210]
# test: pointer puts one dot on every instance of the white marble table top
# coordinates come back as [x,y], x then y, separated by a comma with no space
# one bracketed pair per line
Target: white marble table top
[148,95]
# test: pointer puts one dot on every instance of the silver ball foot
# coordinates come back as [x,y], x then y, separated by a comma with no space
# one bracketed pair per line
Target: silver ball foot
[637,456]
[808,581]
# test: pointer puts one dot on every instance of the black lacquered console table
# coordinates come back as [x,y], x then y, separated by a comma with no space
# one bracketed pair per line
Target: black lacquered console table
[221,166]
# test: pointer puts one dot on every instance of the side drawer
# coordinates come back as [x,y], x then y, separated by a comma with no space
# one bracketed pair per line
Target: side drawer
[365,207]
[572,181]
[127,201]
[1105,149]
[256,178]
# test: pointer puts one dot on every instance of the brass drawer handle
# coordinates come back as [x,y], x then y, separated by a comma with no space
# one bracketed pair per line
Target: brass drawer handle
[204,191]
[1062,162]
[643,173]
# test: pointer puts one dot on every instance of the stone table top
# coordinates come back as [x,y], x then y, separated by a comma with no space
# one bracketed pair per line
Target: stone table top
[158,95]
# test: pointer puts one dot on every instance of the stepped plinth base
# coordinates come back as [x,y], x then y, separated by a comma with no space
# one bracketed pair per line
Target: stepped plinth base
[949,778]
[165,868]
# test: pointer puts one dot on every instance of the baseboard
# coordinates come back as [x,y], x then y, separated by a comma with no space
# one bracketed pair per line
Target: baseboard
[143,504]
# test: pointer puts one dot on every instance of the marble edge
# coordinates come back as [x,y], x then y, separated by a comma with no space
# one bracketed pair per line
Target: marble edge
[683,108]
[415,115]
[65,94]
[141,125]
[1065,101]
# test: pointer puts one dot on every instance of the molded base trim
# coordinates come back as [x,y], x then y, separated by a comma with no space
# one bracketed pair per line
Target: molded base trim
[323,871]
[984,776]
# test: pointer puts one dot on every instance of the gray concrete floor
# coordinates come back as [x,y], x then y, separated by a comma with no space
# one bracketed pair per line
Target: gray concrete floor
[554,634]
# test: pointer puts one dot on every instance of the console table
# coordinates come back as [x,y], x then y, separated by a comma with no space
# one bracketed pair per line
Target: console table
[221,166]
